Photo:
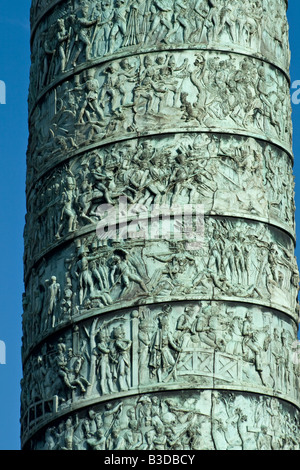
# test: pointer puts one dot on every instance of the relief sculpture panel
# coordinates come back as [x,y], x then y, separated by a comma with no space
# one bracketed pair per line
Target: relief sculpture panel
[79,33]
[178,421]
[238,260]
[161,284]
[156,94]
[227,175]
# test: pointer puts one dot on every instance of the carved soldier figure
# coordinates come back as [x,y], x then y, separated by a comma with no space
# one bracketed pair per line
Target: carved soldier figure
[180,20]
[67,304]
[212,22]
[227,20]
[133,437]
[186,325]
[105,13]
[264,439]
[201,9]
[144,336]
[60,363]
[134,29]
[75,367]
[115,440]
[83,273]
[165,344]
[48,59]
[54,295]
[250,342]
[98,442]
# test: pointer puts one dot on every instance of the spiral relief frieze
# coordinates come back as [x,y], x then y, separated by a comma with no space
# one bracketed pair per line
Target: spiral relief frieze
[161,285]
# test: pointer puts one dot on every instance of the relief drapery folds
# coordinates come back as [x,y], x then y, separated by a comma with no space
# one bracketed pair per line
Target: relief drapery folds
[162,104]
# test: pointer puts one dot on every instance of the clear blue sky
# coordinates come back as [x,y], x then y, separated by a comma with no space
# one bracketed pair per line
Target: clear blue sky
[14,71]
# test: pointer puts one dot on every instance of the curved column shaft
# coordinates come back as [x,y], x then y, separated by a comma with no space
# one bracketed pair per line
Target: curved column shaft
[161,282]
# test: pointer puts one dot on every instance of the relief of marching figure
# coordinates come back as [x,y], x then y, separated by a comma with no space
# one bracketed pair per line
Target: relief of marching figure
[227,175]
[212,344]
[84,33]
[196,344]
[187,91]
